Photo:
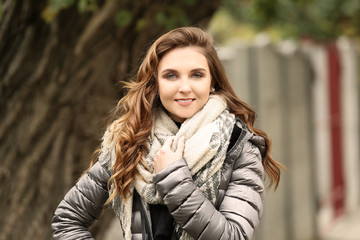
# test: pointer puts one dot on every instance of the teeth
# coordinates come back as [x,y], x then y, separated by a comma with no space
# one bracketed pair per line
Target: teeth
[184,100]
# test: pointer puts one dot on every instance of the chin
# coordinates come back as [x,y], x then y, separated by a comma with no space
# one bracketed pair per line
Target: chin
[187,117]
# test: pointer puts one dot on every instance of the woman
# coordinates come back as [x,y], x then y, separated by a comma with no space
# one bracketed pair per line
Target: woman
[182,160]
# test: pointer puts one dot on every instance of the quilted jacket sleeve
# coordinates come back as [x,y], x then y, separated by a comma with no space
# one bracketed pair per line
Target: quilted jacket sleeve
[81,205]
[240,210]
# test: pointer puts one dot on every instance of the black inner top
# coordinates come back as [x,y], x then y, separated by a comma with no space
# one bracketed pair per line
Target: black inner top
[162,221]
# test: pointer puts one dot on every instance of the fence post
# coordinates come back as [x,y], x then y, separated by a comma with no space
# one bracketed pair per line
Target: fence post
[350,112]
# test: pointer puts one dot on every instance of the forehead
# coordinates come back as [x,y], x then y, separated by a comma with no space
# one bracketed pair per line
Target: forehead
[184,57]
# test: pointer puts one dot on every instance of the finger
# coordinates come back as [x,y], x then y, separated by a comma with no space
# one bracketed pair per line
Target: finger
[181,145]
[168,142]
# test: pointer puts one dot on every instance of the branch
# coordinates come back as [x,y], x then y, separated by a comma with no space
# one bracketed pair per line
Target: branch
[95,22]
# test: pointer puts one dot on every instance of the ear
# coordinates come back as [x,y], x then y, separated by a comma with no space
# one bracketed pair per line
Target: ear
[212,89]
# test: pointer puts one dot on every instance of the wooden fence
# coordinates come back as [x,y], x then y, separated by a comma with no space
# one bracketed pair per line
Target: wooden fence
[307,99]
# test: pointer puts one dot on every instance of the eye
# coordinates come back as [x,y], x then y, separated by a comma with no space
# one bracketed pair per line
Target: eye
[170,76]
[197,75]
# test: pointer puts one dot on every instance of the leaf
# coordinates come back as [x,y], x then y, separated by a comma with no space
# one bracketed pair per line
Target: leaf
[53,7]
[87,5]
[48,14]
[172,17]
[57,5]
[123,18]
[140,24]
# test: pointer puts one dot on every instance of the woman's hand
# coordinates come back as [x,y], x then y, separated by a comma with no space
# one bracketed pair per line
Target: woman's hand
[166,156]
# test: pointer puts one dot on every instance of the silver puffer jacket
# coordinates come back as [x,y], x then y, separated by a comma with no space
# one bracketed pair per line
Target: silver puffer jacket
[236,214]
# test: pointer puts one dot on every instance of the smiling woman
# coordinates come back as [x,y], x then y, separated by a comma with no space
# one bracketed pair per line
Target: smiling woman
[184,82]
[183,159]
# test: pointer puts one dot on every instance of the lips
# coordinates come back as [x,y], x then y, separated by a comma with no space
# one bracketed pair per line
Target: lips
[184,101]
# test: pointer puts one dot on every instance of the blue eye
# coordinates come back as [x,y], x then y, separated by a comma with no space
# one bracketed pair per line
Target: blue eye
[170,76]
[197,75]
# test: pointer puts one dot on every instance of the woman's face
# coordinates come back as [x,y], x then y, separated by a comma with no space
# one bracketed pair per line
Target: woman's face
[184,82]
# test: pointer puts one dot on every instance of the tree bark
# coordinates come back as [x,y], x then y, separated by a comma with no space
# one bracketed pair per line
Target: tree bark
[58,84]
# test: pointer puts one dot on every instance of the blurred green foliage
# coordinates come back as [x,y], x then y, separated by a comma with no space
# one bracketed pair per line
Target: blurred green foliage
[168,16]
[171,17]
[321,20]
[123,18]
[55,6]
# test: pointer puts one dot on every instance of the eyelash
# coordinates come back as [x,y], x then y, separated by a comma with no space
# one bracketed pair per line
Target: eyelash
[170,76]
[197,75]
[173,76]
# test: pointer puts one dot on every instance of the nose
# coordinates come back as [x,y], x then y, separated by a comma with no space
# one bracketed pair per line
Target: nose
[184,85]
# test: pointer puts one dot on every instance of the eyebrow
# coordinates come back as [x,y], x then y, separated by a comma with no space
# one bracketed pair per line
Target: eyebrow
[192,70]
[199,69]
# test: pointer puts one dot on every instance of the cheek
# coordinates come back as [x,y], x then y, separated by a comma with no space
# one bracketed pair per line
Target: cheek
[161,87]
[163,92]
[166,93]
[204,89]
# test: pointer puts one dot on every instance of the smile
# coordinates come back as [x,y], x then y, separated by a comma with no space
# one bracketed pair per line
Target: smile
[185,100]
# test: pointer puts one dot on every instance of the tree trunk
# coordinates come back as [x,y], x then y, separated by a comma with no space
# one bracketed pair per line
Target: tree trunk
[58,83]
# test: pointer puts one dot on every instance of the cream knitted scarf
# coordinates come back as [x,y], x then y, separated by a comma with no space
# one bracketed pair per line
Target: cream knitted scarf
[207,135]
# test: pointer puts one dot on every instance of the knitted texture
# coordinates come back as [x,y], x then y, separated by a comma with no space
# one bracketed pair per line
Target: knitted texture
[207,135]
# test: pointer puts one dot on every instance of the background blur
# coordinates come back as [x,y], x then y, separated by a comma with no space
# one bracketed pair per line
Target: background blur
[295,61]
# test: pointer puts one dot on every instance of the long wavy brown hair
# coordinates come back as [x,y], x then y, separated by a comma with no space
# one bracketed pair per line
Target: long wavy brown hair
[133,125]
